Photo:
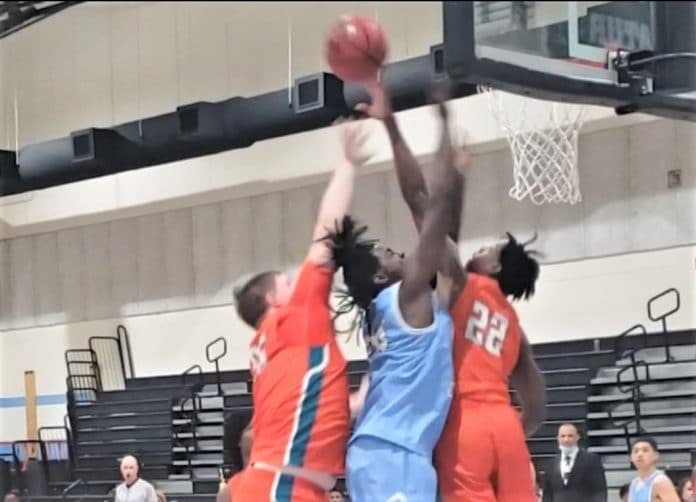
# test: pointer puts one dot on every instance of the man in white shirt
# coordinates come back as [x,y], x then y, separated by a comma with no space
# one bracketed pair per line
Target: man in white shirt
[133,489]
[574,475]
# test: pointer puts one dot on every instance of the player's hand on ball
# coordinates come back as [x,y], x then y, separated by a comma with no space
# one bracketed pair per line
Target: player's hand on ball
[380,107]
[354,137]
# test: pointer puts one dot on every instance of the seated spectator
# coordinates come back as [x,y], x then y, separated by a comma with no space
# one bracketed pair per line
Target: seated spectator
[11,497]
[686,490]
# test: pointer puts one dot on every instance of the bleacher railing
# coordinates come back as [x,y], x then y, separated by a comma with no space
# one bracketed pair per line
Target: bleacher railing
[194,383]
[83,375]
[106,365]
[71,487]
[214,351]
[633,388]
[126,352]
[662,318]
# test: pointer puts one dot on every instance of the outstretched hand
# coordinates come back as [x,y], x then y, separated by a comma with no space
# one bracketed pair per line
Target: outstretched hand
[354,139]
[440,92]
[380,107]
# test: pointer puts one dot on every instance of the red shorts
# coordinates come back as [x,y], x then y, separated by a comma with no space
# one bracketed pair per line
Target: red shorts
[482,455]
[257,485]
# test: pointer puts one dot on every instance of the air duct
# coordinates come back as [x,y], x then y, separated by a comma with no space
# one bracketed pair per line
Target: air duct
[205,128]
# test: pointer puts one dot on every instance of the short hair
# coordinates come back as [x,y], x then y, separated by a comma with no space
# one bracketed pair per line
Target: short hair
[648,440]
[250,299]
[623,491]
[11,497]
[519,270]
[353,253]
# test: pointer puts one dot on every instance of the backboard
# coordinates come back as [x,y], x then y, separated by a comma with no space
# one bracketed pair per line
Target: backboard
[633,56]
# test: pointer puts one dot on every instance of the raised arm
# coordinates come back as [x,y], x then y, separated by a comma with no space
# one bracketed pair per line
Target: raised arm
[335,203]
[530,387]
[411,180]
[421,265]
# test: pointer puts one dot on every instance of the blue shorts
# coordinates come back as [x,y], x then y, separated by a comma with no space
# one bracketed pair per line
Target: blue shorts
[379,471]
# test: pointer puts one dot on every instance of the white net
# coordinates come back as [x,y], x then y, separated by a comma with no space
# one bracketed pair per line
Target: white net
[544,146]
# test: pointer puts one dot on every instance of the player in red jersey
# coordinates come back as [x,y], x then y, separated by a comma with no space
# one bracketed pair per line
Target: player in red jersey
[301,417]
[482,455]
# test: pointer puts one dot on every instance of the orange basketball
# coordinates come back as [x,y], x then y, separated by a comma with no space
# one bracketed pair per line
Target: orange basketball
[356,47]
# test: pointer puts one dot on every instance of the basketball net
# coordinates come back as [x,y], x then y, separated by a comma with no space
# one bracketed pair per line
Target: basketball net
[544,146]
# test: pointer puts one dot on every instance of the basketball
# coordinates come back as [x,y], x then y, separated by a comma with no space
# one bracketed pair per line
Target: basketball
[356,47]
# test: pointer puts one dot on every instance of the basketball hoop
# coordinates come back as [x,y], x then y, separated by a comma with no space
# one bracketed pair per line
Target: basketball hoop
[544,146]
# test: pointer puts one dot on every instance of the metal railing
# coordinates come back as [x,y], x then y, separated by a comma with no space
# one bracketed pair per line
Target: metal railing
[23,452]
[109,356]
[627,433]
[662,318]
[215,358]
[83,375]
[190,447]
[106,365]
[71,487]
[633,388]
[126,352]
[54,441]
[71,444]
[113,353]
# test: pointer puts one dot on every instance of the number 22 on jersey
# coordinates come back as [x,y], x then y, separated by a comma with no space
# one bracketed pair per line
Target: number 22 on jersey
[486,329]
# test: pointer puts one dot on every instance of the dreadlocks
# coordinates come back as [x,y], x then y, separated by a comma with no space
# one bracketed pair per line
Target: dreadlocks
[352,252]
[519,269]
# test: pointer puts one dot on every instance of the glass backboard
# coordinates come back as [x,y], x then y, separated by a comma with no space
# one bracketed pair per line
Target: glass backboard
[567,51]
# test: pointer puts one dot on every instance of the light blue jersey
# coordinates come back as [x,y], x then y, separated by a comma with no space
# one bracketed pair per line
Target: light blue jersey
[643,493]
[411,376]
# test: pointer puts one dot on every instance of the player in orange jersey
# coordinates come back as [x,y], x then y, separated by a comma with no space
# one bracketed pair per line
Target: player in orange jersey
[482,455]
[301,417]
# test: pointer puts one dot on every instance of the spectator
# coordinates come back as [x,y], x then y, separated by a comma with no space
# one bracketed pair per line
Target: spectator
[575,474]
[336,495]
[623,492]
[686,490]
[651,483]
[133,489]
[233,430]
[11,497]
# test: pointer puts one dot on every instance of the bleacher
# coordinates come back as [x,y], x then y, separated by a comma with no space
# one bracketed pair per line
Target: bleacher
[613,388]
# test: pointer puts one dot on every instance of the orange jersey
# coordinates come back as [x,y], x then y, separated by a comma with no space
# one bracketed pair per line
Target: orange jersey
[300,390]
[486,342]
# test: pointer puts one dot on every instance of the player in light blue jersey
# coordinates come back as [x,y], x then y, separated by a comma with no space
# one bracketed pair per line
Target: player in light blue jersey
[651,485]
[409,338]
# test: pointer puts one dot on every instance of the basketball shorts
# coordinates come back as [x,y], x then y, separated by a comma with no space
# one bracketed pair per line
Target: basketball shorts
[379,471]
[257,485]
[482,455]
